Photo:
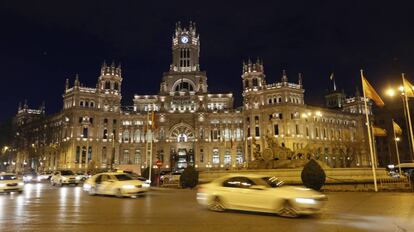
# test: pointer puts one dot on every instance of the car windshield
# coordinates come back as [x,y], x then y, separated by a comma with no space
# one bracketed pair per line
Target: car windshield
[66,173]
[123,177]
[273,181]
[8,177]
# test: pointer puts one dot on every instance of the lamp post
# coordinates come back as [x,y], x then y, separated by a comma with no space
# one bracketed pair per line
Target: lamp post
[391,92]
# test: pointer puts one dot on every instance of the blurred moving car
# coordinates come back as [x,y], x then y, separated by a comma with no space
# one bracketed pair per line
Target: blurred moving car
[114,183]
[29,177]
[170,177]
[259,193]
[63,177]
[44,176]
[10,183]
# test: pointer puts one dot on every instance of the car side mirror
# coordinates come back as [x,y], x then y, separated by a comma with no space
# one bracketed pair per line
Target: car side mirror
[258,187]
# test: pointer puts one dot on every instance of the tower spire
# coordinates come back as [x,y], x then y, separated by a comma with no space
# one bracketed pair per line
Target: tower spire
[284,76]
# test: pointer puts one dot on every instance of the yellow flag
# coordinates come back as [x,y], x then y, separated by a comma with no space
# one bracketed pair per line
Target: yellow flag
[379,132]
[397,128]
[408,88]
[370,92]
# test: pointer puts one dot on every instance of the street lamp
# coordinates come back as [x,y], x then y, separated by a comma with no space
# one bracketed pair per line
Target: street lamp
[391,92]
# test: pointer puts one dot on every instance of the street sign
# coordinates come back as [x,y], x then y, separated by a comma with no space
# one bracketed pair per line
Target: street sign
[158,163]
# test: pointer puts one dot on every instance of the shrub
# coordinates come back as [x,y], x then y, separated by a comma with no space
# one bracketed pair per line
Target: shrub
[189,178]
[313,176]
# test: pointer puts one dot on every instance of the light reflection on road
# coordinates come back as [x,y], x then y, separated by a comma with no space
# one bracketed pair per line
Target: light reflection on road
[70,207]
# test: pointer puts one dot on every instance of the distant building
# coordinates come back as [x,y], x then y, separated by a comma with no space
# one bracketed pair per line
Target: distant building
[192,126]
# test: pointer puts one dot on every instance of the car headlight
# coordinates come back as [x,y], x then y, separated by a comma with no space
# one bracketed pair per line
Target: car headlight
[145,185]
[21,184]
[2,185]
[128,186]
[39,178]
[87,187]
[29,177]
[78,177]
[305,200]
[64,178]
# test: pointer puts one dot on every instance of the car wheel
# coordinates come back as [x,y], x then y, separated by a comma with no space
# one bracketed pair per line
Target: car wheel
[118,193]
[216,205]
[287,210]
[92,191]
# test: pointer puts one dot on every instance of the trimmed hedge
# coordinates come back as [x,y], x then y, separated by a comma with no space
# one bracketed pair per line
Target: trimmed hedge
[189,178]
[313,176]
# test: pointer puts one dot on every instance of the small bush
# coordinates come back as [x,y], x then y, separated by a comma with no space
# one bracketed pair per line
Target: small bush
[313,176]
[189,178]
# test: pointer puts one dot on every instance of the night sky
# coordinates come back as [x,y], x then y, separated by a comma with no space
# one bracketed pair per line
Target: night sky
[44,42]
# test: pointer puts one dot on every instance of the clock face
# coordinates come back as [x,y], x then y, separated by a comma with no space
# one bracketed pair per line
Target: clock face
[184,39]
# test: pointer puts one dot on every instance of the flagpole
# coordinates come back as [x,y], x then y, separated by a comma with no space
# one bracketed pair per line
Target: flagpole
[396,148]
[369,136]
[409,118]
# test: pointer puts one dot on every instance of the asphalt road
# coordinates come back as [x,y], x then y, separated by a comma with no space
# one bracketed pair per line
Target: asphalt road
[45,208]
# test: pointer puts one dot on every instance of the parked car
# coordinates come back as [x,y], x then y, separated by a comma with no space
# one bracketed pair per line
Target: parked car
[29,177]
[44,176]
[64,177]
[10,183]
[170,177]
[116,184]
[82,176]
[259,193]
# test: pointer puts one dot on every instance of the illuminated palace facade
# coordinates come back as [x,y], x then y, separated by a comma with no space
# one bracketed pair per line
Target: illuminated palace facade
[190,126]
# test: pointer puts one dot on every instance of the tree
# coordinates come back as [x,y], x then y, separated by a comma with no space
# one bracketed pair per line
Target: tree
[313,176]
[189,178]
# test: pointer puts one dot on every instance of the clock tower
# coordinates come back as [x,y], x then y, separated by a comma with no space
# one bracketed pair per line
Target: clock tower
[185,49]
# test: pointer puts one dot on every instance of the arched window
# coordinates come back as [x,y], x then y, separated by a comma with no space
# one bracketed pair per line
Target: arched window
[81,103]
[125,136]
[255,83]
[184,86]
[105,134]
[246,83]
[107,85]
[92,104]
[216,156]
[116,86]
[137,136]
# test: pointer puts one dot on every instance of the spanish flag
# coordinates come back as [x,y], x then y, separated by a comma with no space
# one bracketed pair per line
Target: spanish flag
[408,87]
[370,92]
[379,132]
[397,128]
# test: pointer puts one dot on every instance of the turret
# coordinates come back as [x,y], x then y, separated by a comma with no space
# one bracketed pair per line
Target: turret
[253,75]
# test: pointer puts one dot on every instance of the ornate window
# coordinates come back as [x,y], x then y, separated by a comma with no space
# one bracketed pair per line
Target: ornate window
[227,157]
[107,85]
[182,133]
[137,136]
[239,156]
[125,136]
[216,156]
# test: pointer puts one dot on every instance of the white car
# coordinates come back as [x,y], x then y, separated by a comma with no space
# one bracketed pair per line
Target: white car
[170,178]
[10,183]
[63,177]
[44,176]
[259,193]
[117,184]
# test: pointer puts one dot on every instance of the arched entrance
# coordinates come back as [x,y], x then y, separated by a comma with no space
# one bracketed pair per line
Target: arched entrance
[182,150]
